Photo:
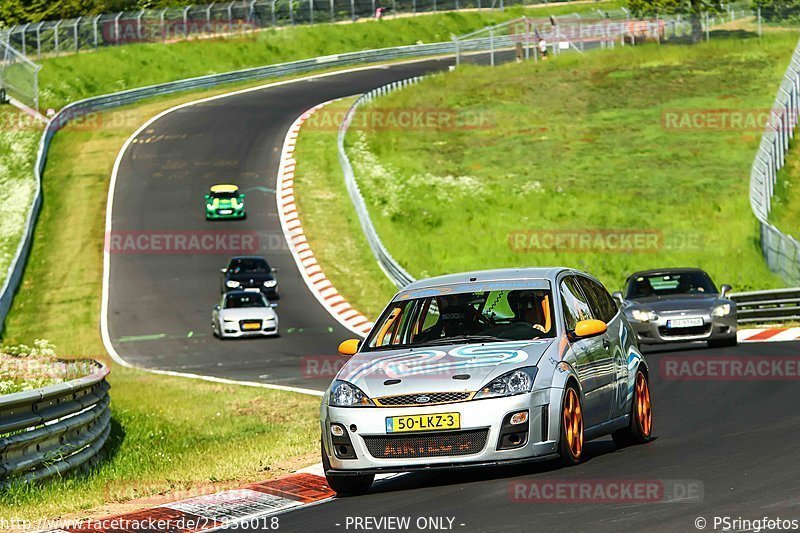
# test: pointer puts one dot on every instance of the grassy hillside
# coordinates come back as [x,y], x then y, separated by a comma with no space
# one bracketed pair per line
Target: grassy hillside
[594,145]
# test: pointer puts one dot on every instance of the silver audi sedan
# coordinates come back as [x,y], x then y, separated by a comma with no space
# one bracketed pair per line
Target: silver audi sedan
[485,368]
[679,305]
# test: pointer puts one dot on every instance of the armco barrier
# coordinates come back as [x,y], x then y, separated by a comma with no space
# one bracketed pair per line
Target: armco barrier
[53,430]
[780,305]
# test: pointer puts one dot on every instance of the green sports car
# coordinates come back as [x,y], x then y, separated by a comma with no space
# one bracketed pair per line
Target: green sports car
[225,202]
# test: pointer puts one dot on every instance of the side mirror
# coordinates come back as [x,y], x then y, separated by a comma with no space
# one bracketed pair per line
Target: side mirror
[349,347]
[586,329]
[216,307]
[725,290]
[618,297]
[241,196]
[273,269]
[273,305]
[208,197]
[223,270]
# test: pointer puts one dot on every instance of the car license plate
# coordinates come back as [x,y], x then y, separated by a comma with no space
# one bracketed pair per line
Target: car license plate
[252,289]
[225,211]
[249,326]
[684,323]
[398,424]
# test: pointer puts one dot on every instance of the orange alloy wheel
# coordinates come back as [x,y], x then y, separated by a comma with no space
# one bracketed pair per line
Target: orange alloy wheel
[573,423]
[644,413]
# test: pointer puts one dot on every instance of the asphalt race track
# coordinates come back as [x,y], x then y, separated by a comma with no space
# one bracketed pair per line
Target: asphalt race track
[739,440]
[160,303]
[736,439]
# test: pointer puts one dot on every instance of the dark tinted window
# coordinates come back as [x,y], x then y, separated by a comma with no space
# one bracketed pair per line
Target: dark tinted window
[603,306]
[248,265]
[668,283]
[238,301]
[576,306]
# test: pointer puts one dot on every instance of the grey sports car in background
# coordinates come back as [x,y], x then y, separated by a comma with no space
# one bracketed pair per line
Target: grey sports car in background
[678,305]
[244,314]
[485,368]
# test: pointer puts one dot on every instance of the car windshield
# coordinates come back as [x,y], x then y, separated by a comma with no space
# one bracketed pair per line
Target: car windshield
[240,301]
[483,316]
[669,283]
[248,266]
[225,195]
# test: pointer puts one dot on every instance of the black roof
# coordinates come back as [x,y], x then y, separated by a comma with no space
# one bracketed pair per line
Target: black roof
[658,271]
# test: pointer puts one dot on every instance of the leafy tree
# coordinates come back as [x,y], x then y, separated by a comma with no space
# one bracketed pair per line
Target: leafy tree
[694,9]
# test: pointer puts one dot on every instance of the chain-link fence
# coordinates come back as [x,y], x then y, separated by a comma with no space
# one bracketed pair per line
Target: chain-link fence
[781,251]
[216,19]
[531,37]
[19,77]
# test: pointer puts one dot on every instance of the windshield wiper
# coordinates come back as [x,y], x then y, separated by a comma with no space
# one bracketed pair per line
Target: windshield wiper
[457,338]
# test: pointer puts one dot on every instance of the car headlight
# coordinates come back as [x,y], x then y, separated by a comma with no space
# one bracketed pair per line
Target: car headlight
[517,381]
[270,283]
[209,207]
[231,284]
[344,394]
[643,316]
[269,319]
[721,310]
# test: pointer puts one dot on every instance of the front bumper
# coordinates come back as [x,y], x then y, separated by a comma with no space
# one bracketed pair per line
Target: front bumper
[268,329]
[658,332]
[216,215]
[432,450]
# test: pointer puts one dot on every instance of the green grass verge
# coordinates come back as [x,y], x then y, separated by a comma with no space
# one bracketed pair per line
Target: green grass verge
[68,78]
[19,138]
[579,143]
[329,222]
[785,214]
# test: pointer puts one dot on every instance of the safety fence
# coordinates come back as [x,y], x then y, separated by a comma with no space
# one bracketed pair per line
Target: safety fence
[781,251]
[19,77]
[212,20]
[54,430]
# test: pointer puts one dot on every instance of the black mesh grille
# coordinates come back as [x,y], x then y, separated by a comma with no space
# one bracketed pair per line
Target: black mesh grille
[433,397]
[427,445]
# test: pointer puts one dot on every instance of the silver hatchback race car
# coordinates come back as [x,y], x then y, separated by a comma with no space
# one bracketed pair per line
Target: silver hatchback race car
[485,368]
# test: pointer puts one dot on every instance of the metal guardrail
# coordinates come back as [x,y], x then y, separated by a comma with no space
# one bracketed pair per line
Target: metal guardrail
[780,305]
[388,264]
[53,430]
[781,251]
